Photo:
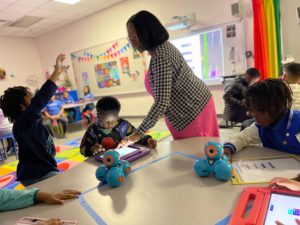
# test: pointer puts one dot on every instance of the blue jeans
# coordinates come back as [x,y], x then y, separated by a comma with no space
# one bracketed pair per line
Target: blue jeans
[32,181]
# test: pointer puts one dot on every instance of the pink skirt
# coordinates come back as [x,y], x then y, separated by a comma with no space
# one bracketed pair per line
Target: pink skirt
[204,125]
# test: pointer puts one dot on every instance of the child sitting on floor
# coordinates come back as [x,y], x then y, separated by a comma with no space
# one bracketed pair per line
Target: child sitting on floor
[109,130]
[36,147]
[276,126]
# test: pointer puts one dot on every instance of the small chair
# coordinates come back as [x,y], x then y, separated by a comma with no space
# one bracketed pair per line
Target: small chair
[84,118]
[56,128]
[3,149]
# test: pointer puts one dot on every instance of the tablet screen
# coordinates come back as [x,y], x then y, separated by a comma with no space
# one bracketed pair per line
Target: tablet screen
[283,208]
[125,151]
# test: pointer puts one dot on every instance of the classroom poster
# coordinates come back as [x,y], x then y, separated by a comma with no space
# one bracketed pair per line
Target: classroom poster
[125,65]
[85,78]
[107,74]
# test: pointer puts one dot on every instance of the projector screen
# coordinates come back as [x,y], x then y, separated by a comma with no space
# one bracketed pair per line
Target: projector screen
[204,54]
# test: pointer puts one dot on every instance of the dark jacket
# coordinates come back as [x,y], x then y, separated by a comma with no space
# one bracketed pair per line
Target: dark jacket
[36,147]
[234,93]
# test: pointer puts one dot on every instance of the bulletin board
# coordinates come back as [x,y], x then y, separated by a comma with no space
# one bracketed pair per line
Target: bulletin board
[110,68]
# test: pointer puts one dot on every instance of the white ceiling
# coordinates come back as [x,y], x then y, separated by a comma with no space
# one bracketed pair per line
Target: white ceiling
[56,14]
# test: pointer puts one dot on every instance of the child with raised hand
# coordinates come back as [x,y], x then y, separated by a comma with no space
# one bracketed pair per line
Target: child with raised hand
[36,147]
[109,130]
[276,126]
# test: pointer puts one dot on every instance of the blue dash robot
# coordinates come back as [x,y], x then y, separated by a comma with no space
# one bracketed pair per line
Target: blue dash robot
[113,170]
[214,163]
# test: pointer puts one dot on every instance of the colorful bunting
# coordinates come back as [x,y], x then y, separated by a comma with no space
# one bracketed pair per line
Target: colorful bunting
[108,54]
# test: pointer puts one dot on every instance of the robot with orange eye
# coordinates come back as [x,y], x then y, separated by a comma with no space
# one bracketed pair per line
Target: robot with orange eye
[113,170]
[214,163]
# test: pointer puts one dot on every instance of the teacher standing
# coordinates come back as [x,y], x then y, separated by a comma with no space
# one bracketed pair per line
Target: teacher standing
[179,96]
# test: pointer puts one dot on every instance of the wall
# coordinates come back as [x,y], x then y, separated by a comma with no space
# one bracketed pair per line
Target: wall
[290,28]
[20,58]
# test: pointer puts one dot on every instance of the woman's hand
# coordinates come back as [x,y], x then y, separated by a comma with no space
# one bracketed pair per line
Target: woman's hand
[151,143]
[131,139]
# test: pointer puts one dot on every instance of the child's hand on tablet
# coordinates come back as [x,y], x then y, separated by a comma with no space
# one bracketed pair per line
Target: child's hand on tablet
[97,148]
[279,182]
[297,222]
[152,143]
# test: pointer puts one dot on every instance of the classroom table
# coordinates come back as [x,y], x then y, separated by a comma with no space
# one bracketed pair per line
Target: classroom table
[162,189]
[76,104]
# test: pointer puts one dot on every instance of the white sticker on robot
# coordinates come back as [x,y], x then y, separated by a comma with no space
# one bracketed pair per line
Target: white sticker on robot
[298,137]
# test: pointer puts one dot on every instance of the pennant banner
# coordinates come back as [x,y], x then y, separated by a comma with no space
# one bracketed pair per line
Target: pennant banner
[110,53]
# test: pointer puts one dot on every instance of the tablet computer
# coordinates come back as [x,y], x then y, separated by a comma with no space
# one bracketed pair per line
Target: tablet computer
[265,206]
[36,220]
[283,208]
[130,153]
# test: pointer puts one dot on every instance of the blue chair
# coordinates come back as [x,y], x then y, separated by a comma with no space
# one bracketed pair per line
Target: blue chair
[3,149]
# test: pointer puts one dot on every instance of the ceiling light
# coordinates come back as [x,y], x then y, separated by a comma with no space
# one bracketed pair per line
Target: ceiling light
[70,2]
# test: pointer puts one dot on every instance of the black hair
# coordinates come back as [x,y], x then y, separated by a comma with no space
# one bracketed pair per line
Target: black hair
[11,101]
[150,32]
[292,69]
[89,89]
[108,104]
[253,72]
[271,95]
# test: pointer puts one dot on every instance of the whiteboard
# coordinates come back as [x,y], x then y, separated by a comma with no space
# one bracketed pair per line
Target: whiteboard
[215,51]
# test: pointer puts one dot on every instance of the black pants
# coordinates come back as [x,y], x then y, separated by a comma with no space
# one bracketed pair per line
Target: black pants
[71,114]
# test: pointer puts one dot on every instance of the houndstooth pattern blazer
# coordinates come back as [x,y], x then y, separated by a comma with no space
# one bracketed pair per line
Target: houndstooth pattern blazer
[179,94]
